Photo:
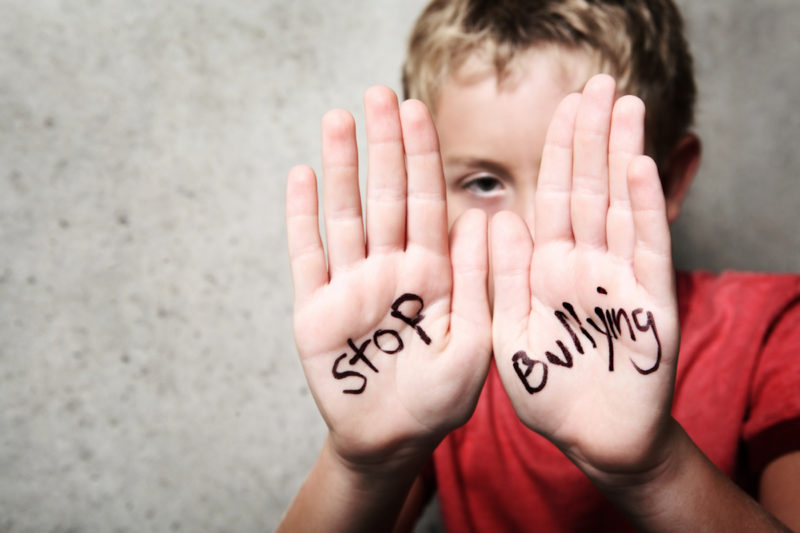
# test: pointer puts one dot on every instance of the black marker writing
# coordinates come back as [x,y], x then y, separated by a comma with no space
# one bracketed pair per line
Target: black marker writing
[347,374]
[649,325]
[523,375]
[605,331]
[564,322]
[414,320]
[613,324]
[381,344]
[359,353]
[387,341]
[553,358]
[571,311]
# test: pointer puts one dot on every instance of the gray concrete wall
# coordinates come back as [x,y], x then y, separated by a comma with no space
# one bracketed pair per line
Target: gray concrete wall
[743,211]
[148,378]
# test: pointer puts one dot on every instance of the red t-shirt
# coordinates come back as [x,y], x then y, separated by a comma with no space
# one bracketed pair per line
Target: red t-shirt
[737,395]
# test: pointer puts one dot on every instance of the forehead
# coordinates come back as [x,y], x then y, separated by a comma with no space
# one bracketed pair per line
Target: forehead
[481,114]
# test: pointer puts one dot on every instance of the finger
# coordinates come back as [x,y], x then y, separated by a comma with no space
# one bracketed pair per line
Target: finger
[386,184]
[470,263]
[344,229]
[552,204]
[652,259]
[511,252]
[589,203]
[426,220]
[626,141]
[306,256]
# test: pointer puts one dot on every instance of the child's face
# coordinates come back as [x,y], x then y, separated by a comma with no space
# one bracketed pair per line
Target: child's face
[492,135]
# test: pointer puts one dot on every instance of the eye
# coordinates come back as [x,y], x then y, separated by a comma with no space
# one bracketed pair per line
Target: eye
[483,185]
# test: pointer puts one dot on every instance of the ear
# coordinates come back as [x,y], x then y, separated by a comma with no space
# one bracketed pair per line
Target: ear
[679,171]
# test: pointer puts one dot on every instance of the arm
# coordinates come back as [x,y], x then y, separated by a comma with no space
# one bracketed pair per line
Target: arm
[339,497]
[779,490]
[585,326]
[688,491]
[394,331]
[772,431]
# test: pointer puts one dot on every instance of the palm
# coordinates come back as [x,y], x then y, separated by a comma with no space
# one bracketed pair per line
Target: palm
[393,334]
[586,340]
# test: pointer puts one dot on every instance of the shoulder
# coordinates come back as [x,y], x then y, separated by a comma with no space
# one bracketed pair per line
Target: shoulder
[745,298]
[738,370]
[737,285]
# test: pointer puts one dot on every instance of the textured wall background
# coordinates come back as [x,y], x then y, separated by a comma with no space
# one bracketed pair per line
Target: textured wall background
[148,379]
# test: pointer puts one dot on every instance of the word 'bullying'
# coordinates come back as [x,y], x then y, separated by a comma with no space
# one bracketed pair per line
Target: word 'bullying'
[611,323]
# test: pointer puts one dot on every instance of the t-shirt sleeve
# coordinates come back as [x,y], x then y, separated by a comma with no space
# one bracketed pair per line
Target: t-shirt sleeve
[772,427]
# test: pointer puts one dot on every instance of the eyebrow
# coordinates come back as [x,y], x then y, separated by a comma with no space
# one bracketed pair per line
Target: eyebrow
[474,162]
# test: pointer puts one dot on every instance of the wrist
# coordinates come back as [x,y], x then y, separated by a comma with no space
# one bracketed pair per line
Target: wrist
[653,498]
[683,489]
[370,472]
[669,457]
[339,495]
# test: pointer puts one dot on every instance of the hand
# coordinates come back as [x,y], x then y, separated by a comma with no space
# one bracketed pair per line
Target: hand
[585,326]
[394,334]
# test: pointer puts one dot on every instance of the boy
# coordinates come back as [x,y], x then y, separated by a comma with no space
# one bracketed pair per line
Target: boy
[396,335]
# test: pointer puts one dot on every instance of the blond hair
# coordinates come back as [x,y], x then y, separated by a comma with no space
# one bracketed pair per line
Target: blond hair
[639,42]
